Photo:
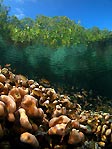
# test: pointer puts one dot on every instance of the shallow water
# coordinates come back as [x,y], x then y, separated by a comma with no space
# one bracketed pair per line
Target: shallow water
[81,66]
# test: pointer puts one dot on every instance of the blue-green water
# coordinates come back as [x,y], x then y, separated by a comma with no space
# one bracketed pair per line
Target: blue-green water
[81,66]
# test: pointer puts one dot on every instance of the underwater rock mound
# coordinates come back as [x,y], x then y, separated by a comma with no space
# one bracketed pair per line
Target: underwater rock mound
[34,116]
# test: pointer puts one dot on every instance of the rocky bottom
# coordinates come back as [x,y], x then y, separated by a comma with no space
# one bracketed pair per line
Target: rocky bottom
[36,116]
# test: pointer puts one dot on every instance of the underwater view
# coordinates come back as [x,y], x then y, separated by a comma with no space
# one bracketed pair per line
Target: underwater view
[55,74]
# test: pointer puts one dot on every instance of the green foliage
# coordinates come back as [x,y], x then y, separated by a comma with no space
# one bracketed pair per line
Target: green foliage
[55,32]
[3,19]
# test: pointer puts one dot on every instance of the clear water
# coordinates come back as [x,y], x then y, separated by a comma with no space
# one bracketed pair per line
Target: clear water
[81,66]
